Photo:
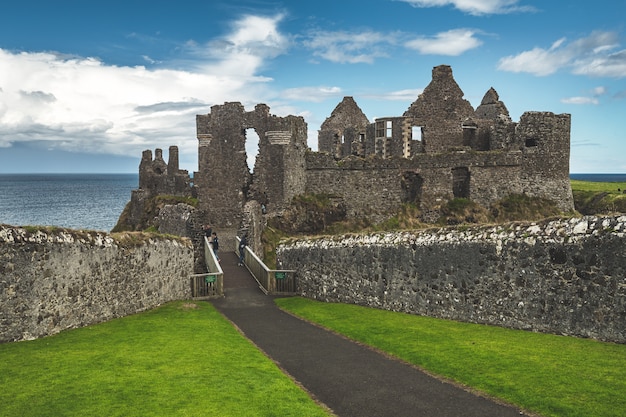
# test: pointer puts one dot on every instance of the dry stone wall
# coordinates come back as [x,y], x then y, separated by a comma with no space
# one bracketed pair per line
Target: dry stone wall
[564,277]
[52,281]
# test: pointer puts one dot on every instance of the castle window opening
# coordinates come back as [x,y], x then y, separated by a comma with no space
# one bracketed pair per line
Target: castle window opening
[461,182]
[388,129]
[252,147]
[531,142]
[416,133]
[380,129]
[469,135]
[412,184]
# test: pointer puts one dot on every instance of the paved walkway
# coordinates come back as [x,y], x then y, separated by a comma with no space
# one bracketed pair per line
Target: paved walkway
[350,379]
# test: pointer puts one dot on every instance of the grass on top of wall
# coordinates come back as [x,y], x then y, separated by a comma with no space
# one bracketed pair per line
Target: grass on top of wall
[546,374]
[182,359]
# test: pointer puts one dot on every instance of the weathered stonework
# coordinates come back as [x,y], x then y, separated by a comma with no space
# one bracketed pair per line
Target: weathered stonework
[565,277]
[438,150]
[223,180]
[52,281]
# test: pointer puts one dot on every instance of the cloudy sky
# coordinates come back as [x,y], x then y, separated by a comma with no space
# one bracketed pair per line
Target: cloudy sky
[87,86]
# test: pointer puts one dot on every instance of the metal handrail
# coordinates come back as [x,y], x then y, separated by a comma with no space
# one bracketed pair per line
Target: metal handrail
[211,283]
[271,281]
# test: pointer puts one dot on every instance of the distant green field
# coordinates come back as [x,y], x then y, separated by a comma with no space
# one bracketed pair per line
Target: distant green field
[608,187]
[599,198]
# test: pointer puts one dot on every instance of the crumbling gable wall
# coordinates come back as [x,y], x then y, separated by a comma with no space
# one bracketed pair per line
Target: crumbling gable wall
[343,133]
[440,110]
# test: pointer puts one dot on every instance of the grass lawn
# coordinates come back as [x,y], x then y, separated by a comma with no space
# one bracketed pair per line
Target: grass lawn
[546,374]
[599,197]
[609,187]
[182,359]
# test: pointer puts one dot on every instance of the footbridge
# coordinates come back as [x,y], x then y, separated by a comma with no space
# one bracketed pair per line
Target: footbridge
[211,284]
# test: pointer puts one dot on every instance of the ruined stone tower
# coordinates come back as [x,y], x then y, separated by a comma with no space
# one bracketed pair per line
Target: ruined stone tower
[224,181]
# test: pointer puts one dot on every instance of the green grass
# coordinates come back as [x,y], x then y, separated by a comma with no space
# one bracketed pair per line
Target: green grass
[546,374]
[182,359]
[599,197]
[610,187]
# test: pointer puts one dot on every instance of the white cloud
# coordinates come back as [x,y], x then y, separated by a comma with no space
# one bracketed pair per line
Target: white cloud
[589,56]
[401,95]
[474,7]
[312,94]
[595,93]
[599,91]
[83,104]
[580,100]
[452,43]
[367,46]
[348,47]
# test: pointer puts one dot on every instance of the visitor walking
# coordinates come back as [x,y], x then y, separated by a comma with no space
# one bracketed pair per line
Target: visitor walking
[216,245]
[242,249]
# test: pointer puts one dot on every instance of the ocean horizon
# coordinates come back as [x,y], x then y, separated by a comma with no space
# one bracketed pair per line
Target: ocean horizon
[95,201]
[74,201]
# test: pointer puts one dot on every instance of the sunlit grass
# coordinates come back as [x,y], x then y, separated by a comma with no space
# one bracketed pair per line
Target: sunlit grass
[609,187]
[182,359]
[599,197]
[547,374]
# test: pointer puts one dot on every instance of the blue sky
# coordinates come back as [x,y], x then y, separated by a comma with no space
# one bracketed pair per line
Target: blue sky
[87,86]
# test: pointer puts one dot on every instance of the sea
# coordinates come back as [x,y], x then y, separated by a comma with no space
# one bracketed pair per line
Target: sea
[94,201]
[75,201]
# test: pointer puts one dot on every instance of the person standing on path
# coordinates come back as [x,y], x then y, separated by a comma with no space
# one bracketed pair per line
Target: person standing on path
[216,245]
[242,249]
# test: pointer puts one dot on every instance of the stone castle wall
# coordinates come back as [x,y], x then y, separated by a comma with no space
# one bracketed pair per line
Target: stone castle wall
[564,277]
[52,281]
[438,150]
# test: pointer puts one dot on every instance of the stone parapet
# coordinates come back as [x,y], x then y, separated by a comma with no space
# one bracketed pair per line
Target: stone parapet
[563,276]
[52,280]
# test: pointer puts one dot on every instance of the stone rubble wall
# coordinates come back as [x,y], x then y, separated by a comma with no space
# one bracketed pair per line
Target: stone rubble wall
[56,280]
[563,276]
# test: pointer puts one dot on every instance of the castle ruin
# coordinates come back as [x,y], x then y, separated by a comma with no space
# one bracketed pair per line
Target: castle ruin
[439,149]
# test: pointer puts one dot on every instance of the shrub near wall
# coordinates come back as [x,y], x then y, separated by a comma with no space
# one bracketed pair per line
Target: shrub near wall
[565,277]
[56,279]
